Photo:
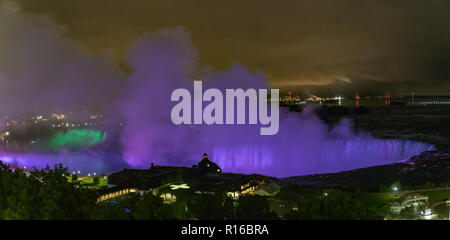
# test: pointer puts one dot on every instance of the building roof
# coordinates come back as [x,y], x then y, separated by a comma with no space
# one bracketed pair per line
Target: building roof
[270,189]
[207,166]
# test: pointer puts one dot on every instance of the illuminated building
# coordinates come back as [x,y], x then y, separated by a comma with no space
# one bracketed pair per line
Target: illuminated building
[314,98]
[58,116]
[207,167]
[387,98]
[234,195]
[168,198]
[290,99]
[268,190]
[357,99]
[204,178]
[261,188]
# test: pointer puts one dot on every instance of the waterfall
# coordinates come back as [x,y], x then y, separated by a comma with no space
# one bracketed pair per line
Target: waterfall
[325,157]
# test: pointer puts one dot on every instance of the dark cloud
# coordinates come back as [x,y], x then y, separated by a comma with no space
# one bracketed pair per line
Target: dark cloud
[43,71]
[299,44]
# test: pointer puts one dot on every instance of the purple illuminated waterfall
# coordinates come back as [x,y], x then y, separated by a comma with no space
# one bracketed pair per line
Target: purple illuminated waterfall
[280,156]
[326,157]
[166,60]
[304,144]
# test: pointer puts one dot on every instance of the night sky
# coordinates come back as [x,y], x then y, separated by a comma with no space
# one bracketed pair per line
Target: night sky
[325,46]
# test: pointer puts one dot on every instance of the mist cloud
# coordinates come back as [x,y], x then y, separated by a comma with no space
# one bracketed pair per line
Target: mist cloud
[41,70]
[163,61]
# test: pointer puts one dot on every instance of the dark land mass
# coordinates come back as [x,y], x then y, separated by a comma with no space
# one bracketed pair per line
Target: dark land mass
[429,168]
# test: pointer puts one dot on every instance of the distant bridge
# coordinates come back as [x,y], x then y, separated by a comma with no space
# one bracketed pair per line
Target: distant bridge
[116,194]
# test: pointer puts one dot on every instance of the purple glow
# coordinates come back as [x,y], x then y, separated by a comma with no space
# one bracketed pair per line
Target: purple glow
[84,162]
[279,158]
[327,157]
[162,62]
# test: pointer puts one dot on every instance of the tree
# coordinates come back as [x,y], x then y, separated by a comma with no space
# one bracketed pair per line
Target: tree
[207,206]
[332,204]
[96,180]
[151,207]
[43,194]
[252,207]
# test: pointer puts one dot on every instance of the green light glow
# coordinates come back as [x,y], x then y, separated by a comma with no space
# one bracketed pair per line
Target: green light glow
[181,186]
[77,138]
